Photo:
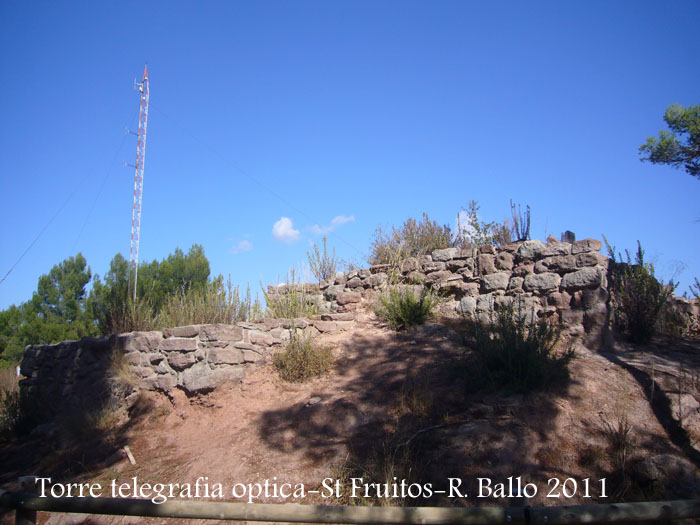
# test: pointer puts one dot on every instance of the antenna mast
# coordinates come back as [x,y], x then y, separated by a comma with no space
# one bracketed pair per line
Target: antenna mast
[138,183]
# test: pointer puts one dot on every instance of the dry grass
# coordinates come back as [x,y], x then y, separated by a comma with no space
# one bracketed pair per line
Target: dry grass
[302,359]
[9,382]
[295,300]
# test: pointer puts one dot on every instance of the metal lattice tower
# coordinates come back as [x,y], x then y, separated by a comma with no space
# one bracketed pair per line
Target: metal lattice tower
[138,183]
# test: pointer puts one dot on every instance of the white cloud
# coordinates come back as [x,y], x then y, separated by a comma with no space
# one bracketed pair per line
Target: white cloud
[338,220]
[283,230]
[243,246]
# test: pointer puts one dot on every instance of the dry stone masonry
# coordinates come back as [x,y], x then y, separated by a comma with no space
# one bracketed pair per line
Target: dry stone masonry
[563,281]
[194,358]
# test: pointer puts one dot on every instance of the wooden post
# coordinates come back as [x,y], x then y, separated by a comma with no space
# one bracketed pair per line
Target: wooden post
[617,512]
[24,516]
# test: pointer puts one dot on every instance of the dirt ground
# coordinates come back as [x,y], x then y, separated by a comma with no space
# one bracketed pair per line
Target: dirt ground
[397,405]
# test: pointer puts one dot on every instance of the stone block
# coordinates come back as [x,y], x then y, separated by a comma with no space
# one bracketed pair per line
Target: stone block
[523,270]
[557,249]
[225,356]
[504,261]
[262,339]
[166,383]
[486,263]
[559,299]
[244,346]
[446,254]
[221,332]
[132,358]
[591,277]
[332,291]
[541,282]
[201,378]
[154,358]
[438,277]
[409,265]
[556,263]
[348,316]
[531,250]
[495,281]
[178,344]
[182,331]
[271,324]
[467,306]
[164,368]
[468,269]
[379,268]
[355,282]
[325,326]
[251,356]
[143,341]
[180,361]
[431,266]
[378,279]
[456,264]
[345,298]
[515,285]
[415,277]
[587,259]
[586,245]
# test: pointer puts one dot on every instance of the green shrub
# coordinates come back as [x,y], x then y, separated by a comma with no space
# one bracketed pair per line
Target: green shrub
[322,266]
[695,289]
[515,352]
[302,359]
[404,308]
[412,239]
[638,297]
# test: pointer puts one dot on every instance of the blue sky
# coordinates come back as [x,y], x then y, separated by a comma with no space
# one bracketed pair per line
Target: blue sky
[337,117]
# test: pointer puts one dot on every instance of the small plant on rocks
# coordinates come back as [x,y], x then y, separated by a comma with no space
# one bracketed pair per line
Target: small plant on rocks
[403,307]
[322,266]
[638,297]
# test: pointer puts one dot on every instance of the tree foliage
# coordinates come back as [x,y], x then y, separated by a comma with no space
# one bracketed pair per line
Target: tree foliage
[61,308]
[112,306]
[56,312]
[679,147]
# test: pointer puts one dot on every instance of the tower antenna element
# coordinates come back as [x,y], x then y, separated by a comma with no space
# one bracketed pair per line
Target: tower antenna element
[138,183]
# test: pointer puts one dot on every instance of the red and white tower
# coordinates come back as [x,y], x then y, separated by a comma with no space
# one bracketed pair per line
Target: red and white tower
[138,183]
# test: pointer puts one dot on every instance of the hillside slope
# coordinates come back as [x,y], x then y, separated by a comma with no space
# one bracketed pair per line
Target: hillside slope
[397,405]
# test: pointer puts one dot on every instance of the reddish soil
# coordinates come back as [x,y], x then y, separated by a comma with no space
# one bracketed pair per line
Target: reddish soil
[396,400]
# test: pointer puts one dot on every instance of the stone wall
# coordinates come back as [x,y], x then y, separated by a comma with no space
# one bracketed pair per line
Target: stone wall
[566,281]
[195,359]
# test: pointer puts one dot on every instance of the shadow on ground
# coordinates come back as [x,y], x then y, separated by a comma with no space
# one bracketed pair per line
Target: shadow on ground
[407,412]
